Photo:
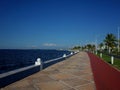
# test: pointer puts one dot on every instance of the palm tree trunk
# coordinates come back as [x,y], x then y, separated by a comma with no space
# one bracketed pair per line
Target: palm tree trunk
[109,50]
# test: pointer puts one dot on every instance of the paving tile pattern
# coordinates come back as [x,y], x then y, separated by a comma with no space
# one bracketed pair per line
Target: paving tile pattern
[74,73]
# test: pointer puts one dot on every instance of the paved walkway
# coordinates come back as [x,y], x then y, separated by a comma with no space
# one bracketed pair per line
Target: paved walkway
[73,73]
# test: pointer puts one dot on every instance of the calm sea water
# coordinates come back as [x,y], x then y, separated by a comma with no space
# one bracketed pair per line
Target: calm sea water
[14,59]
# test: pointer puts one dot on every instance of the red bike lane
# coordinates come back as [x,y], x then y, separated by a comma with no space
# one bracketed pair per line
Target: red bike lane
[105,76]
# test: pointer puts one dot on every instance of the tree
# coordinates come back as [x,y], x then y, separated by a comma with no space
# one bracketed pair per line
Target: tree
[101,46]
[76,48]
[90,47]
[110,41]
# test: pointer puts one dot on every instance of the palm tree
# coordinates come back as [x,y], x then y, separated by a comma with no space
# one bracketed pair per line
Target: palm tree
[93,48]
[101,46]
[76,47]
[110,41]
[90,47]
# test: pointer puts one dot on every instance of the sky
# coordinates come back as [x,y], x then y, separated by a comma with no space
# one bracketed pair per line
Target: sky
[52,24]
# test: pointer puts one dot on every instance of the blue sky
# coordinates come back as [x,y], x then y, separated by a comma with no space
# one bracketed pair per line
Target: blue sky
[56,23]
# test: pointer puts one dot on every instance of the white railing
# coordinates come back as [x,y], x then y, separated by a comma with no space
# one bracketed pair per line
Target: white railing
[56,59]
[63,57]
[18,72]
[37,63]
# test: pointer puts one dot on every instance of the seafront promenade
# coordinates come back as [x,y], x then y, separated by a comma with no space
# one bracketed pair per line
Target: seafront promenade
[74,73]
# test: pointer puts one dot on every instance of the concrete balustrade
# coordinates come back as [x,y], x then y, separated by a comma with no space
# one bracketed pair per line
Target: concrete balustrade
[15,75]
[12,76]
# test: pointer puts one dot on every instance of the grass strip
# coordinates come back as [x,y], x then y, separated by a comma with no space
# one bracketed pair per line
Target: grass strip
[107,59]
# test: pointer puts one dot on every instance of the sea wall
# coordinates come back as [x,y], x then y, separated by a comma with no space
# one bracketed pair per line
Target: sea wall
[15,75]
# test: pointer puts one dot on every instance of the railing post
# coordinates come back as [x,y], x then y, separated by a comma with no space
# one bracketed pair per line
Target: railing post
[64,55]
[71,53]
[39,62]
[112,60]
[101,55]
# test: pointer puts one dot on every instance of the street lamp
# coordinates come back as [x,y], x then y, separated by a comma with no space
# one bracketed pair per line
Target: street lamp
[118,41]
[96,45]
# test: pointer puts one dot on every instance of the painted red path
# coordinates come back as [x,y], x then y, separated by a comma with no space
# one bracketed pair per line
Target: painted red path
[105,76]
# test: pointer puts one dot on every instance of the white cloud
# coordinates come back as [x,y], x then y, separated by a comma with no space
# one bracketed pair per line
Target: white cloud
[49,44]
[34,46]
[31,46]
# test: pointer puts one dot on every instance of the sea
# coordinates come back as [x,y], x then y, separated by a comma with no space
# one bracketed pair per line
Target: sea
[11,59]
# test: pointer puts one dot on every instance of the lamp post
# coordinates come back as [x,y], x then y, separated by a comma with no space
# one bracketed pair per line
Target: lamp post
[96,45]
[118,41]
